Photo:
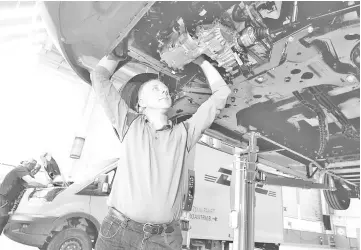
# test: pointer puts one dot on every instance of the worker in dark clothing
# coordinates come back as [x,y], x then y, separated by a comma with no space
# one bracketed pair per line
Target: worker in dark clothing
[14,184]
[50,165]
[145,203]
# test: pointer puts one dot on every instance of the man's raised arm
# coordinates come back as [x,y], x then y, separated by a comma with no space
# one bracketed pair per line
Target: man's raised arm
[208,111]
[32,183]
[114,106]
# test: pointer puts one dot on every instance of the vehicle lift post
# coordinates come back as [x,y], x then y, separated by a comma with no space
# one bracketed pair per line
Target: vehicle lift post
[242,217]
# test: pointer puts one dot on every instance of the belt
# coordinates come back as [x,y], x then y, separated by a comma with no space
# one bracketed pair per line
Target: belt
[142,227]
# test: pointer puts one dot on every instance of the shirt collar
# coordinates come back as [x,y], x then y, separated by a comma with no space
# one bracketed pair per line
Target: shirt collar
[166,127]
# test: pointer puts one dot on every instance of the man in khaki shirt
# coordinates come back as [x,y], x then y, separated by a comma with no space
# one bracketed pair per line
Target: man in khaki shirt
[146,199]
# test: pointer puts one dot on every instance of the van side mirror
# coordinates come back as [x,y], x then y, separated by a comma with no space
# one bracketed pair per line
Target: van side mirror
[103,185]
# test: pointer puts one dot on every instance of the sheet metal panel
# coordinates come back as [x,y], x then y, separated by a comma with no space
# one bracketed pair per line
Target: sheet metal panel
[290,202]
[310,204]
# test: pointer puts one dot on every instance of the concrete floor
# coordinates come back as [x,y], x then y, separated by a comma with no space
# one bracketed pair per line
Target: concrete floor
[7,244]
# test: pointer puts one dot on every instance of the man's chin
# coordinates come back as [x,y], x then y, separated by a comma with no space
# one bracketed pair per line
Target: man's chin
[165,109]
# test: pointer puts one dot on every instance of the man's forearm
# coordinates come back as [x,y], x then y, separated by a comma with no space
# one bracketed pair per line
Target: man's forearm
[35,184]
[109,62]
[215,80]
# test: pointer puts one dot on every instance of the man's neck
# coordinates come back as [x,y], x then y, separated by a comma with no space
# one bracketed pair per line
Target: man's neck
[157,118]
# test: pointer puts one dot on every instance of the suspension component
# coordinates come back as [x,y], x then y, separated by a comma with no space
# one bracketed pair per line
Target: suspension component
[348,129]
[322,123]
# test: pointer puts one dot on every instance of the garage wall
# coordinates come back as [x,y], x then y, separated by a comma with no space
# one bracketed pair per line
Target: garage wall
[40,102]
[302,204]
[302,213]
[290,202]
[310,204]
[100,144]
[349,219]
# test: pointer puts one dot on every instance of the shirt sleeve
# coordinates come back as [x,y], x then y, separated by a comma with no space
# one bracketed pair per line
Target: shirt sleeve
[22,171]
[114,106]
[206,113]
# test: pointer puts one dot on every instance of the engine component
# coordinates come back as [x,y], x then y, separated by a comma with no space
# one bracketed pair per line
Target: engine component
[181,51]
[220,43]
[323,125]
[238,13]
[250,35]
[215,40]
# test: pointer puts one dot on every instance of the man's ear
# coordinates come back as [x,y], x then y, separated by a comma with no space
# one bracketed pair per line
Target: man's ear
[141,102]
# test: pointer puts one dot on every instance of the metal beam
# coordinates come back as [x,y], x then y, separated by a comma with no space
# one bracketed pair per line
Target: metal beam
[280,168]
[312,162]
[290,182]
[343,164]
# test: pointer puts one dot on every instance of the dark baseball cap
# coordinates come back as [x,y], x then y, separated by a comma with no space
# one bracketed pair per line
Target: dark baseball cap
[129,92]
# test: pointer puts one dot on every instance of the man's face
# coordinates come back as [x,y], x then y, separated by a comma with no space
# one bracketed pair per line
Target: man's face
[155,94]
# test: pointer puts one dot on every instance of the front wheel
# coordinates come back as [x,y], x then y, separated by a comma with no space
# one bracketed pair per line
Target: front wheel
[70,239]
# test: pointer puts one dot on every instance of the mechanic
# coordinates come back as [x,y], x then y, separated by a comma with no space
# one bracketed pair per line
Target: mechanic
[145,203]
[50,165]
[14,184]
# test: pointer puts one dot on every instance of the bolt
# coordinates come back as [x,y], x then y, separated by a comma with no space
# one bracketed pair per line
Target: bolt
[235,91]
[291,39]
[233,99]
[310,29]
[260,79]
[350,78]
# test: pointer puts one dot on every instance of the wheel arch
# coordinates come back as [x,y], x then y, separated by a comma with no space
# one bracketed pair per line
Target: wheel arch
[80,220]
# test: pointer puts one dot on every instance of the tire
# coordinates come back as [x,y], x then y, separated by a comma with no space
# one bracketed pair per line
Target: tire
[73,238]
[338,199]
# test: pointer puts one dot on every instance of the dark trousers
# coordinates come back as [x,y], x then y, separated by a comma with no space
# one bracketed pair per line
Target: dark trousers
[5,208]
[120,234]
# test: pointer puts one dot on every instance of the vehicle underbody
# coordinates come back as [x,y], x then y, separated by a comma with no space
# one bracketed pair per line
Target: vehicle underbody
[293,68]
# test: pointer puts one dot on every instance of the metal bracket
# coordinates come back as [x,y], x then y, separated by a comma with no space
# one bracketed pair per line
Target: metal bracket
[270,179]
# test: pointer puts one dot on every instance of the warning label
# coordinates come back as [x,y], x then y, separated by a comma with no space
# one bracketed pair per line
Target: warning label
[200,217]
[202,210]
[202,213]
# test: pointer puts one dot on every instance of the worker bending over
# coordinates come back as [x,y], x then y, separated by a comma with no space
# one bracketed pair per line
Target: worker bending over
[145,203]
[14,184]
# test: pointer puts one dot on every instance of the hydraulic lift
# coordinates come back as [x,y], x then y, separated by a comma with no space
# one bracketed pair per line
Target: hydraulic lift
[244,177]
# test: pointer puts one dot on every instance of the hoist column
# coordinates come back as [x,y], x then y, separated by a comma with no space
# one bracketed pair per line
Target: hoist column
[250,199]
[243,195]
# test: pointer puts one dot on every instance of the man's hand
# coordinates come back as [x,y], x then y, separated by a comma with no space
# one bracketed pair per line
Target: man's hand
[199,60]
